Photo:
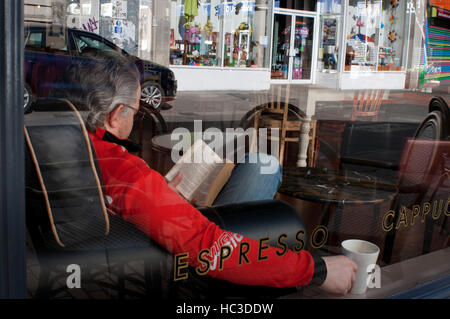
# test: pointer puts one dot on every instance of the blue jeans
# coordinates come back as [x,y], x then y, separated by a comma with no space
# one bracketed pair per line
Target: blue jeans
[258,178]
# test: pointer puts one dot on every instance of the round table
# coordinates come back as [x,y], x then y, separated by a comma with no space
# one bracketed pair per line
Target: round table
[334,189]
[161,153]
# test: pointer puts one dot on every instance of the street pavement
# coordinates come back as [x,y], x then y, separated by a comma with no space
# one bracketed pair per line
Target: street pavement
[230,106]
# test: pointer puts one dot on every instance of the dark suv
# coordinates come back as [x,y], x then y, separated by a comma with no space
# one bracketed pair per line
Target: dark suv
[49,50]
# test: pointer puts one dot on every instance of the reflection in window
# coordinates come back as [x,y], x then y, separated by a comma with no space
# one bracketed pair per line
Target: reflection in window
[329,43]
[194,33]
[239,35]
[84,43]
[35,41]
[202,32]
[374,34]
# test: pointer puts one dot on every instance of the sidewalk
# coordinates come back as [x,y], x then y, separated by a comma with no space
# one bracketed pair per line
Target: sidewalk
[401,105]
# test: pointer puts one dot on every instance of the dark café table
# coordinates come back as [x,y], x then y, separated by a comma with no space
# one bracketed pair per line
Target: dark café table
[335,189]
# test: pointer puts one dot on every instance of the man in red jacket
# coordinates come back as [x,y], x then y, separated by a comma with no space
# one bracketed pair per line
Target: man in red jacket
[140,195]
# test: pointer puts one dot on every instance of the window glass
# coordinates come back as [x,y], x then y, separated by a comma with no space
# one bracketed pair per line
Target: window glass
[48,40]
[375,35]
[392,36]
[84,43]
[195,33]
[356,163]
[235,30]
[246,30]
[329,43]
[35,41]
[363,30]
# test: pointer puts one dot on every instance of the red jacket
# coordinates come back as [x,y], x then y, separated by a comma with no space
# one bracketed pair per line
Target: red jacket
[142,196]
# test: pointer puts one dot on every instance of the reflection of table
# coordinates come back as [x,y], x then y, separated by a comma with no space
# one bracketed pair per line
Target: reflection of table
[314,95]
[161,153]
[335,189]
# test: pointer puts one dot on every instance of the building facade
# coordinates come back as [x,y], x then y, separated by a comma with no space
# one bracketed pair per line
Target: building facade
[251,44]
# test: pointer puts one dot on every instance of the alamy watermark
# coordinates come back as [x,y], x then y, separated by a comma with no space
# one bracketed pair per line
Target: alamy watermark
[374,276]
[74,279]
[230,144]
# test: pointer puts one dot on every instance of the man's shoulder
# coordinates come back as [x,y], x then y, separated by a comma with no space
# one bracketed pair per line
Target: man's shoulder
[117,155]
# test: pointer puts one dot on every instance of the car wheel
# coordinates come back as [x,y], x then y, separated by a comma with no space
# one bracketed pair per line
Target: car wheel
[152,94]
[27,99]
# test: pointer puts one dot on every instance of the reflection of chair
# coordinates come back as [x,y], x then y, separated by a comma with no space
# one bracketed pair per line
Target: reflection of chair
[146,128]
[367,104]
[285,117]
[68,221]
[384,150]
[437,103]
[421,160]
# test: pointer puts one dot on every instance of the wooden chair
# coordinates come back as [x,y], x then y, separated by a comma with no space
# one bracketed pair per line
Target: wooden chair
[367,104]
[283,116]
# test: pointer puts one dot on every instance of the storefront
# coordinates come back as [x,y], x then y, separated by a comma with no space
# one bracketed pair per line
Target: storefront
[294,45]
[248,45]
[363,44]
[220,45]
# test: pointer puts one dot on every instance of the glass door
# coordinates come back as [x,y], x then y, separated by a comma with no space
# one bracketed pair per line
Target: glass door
[281,47]
[302,53]
[292,51]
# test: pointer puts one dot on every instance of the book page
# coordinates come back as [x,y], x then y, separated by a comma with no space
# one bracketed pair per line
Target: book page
[196,166]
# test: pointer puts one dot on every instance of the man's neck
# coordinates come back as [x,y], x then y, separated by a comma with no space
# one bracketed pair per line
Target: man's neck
[131,146]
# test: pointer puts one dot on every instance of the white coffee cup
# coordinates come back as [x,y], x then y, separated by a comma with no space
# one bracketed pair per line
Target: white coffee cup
[364,253]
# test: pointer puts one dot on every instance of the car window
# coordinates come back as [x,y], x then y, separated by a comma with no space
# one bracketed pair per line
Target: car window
[85,43]
[47,41]
[35,41]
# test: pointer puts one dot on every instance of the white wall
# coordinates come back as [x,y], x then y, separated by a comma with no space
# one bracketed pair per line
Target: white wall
[373,80]
[328,80]
[203,79]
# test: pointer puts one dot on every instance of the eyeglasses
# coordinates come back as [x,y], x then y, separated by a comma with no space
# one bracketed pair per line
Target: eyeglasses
[138,113]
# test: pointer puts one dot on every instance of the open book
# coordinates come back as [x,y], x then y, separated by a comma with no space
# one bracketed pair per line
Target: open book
[204,174]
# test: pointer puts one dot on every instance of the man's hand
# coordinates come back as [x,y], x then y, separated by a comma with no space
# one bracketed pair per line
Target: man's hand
[173,183]
[341,273]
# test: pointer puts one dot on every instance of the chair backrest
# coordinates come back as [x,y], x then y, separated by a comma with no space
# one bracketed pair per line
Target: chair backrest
[437,103]
[367,104]
[63,185]
[420,160]
[278,114]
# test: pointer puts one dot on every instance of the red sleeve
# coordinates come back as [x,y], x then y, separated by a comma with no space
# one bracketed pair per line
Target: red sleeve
[176,225]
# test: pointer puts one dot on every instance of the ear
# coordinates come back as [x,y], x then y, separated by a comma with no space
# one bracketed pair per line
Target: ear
[114,119]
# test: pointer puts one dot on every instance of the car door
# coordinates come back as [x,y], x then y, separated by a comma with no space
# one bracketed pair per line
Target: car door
[46,59]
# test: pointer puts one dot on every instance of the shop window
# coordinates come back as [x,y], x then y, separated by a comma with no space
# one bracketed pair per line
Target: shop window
[204,32]
[329,43]
[375,35]
[195,33]
[245,30]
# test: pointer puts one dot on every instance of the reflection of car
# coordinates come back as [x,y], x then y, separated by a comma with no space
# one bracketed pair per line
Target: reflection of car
[49,50]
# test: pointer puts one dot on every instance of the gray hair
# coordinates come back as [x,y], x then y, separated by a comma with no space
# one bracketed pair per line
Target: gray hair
[102,81]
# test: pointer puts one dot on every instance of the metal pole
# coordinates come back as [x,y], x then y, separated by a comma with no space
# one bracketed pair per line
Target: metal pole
[12,189]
